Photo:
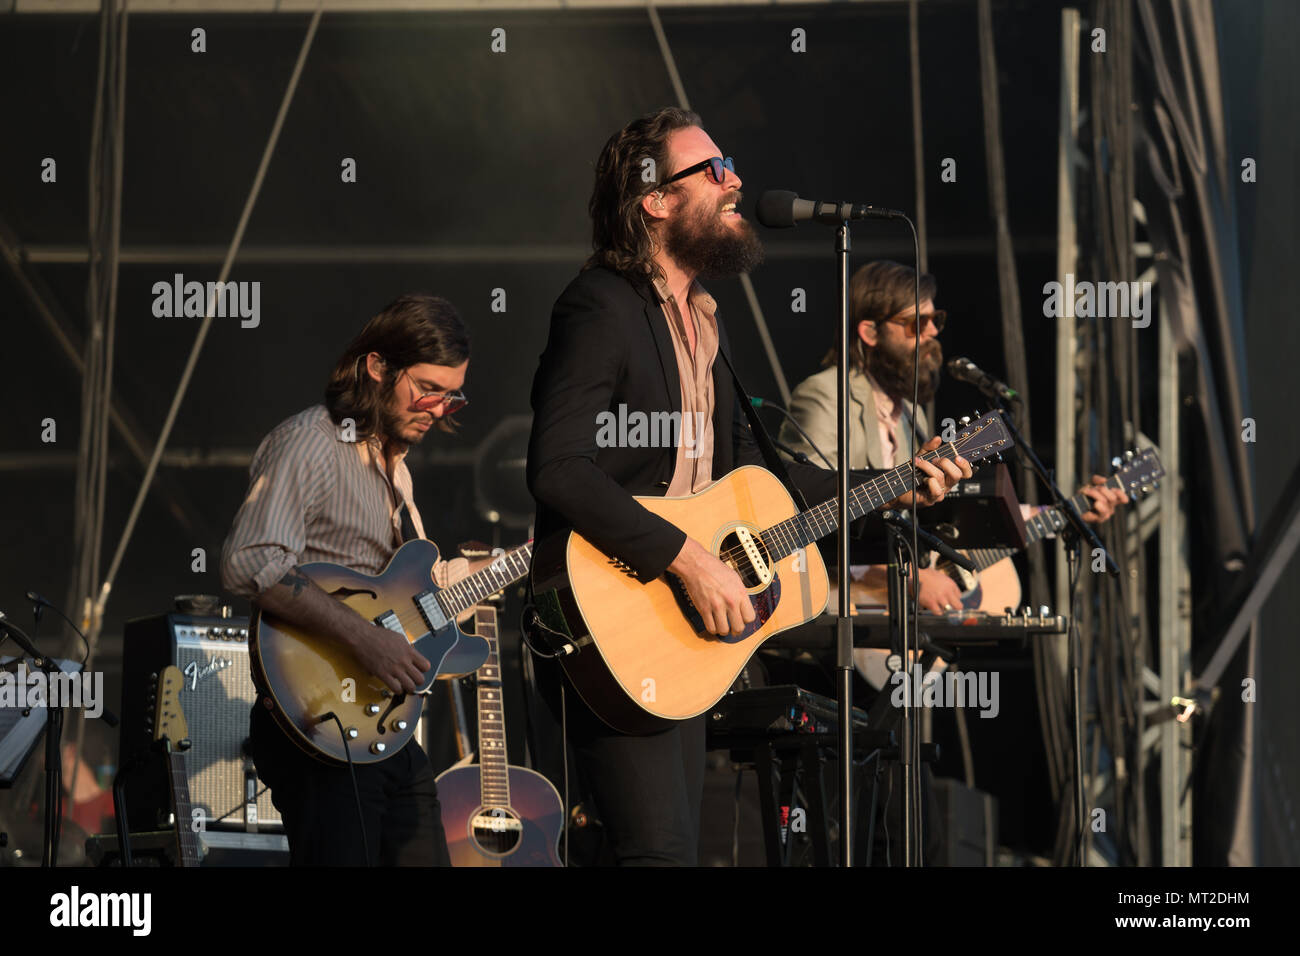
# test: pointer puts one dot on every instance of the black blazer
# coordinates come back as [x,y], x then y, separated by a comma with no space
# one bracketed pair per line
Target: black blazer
[609,346]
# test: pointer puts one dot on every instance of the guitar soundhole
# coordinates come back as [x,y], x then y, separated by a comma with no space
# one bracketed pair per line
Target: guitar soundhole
[734,555]
[496,830]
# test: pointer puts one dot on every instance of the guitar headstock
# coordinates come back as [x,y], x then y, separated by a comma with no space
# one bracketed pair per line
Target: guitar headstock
[169,721]
[1137,472]
[982,438]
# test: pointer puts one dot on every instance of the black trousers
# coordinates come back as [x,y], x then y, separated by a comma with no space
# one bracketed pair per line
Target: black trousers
[399,803]
[646,790]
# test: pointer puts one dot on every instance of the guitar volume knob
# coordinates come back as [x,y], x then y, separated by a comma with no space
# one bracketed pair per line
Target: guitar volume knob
[399,725]
[377,747]
[372,709]
[352,733]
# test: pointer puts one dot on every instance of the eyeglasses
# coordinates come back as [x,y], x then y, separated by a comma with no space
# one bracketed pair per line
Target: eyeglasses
[717,170]
[908,322]
[450,401]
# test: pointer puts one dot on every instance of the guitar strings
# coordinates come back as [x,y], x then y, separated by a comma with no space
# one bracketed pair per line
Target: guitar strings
[783,534]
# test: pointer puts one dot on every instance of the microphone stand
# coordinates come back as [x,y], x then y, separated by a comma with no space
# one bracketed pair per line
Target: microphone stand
[1076,535]
[898,533]
[844,624]
[932,542]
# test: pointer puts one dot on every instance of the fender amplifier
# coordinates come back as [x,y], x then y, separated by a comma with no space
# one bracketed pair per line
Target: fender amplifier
[212,654]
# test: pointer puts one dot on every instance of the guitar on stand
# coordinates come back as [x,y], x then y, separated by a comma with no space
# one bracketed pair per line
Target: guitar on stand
[496,814]
[171,736]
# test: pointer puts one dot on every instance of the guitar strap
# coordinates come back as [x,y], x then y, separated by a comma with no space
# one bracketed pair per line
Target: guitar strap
[774,462]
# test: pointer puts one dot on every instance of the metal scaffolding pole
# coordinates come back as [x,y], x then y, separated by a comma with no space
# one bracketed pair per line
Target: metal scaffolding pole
[1175,643]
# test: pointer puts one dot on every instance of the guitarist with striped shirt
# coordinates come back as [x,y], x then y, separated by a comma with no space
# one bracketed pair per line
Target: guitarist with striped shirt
[331,484]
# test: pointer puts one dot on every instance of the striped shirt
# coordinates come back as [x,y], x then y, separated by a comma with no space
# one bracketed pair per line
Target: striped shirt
[315,495]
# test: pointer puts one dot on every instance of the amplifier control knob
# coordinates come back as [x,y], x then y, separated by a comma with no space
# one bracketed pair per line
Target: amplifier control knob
[372,708]
[352,732]
[377,747]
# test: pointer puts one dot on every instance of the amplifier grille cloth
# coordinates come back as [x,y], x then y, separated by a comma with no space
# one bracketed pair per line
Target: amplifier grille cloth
[217,696]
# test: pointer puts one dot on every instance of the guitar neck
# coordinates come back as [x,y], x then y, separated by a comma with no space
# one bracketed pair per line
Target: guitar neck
[189,843]
[817,522]
[502,572]
[494,766]
[1039,526]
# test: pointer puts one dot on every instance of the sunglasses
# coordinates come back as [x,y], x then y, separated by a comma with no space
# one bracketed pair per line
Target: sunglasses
[908,322]
[450,401]
[716,166]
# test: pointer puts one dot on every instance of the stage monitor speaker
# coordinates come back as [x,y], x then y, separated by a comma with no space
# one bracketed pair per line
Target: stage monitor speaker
[216,698]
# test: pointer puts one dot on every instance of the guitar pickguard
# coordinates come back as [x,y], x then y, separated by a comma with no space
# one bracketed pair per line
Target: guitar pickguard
[764,604]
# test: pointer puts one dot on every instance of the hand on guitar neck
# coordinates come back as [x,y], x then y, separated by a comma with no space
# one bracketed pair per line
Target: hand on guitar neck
[716,590]
[1104,500]
[937,478]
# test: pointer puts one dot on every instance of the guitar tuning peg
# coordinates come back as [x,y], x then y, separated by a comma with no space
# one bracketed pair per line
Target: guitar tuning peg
[964,420]
[1146,489]
[1116,462]
[1128,455]
[1155,484]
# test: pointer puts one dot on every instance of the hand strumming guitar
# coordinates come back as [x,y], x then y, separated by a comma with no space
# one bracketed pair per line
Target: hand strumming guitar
[715,589]
[390,657]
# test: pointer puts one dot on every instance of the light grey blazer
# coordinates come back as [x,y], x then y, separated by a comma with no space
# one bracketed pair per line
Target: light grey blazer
[813,405]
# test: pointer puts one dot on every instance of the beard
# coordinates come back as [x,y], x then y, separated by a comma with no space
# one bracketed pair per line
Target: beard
[396,425]
[892,365]
[700,241]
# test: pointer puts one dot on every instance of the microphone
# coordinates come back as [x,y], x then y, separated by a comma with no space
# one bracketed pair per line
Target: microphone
[781,208]
[964,370]
[41,603]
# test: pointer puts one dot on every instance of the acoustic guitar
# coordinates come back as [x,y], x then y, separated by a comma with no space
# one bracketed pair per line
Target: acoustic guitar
[496,814]
[310,681]
[643,658]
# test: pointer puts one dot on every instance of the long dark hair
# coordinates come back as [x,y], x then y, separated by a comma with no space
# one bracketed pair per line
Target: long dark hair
[877,291]
[410,330]
[620,238]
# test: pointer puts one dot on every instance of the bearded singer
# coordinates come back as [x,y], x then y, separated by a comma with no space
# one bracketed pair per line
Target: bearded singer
[637,329]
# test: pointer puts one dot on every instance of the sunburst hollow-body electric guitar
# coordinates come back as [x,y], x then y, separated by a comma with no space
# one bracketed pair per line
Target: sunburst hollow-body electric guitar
[309,680]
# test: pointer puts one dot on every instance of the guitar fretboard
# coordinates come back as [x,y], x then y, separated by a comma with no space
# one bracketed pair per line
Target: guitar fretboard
[817,522]
[189,843]
[494,767]
[506,569]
